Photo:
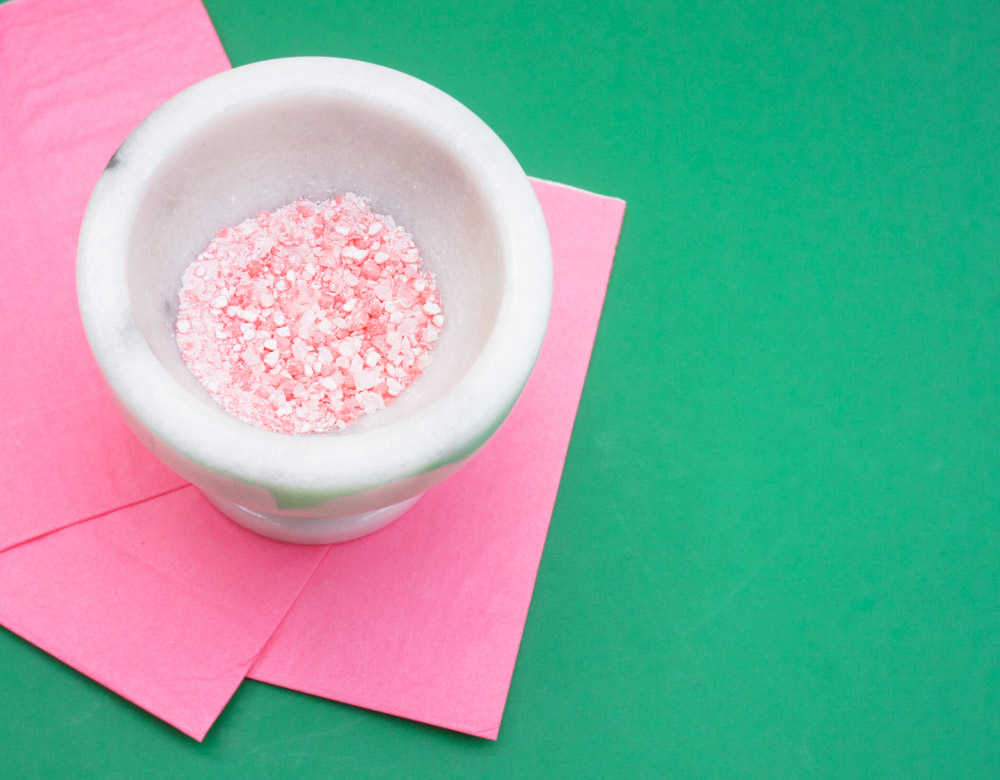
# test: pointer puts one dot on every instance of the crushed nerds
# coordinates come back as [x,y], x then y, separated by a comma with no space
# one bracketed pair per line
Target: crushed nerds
[303,320]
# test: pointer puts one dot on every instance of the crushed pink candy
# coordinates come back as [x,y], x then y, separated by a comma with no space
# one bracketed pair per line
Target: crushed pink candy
[303,320]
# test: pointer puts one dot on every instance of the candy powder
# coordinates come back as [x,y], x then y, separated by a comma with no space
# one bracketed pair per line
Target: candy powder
[303,320]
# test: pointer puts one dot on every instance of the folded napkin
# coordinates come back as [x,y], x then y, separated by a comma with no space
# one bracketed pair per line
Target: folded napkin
[118,567]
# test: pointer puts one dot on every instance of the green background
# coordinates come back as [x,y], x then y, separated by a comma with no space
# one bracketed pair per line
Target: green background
[776,549]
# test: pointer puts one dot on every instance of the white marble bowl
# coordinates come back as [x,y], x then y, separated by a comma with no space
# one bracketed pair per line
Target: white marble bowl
[258,137]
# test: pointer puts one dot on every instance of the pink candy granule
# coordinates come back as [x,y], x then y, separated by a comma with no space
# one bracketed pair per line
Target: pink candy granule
[302,320]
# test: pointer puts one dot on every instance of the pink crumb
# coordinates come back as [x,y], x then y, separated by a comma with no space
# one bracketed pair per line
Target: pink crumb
[303,320]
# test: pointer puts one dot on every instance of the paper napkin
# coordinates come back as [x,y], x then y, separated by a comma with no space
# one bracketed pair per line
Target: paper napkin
[115,565]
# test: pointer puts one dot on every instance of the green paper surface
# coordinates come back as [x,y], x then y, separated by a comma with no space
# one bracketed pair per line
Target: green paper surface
[776,550]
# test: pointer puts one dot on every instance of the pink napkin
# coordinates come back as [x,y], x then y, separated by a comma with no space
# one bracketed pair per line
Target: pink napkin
[76,76]
[157,596]
[165,602]
[424,619]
